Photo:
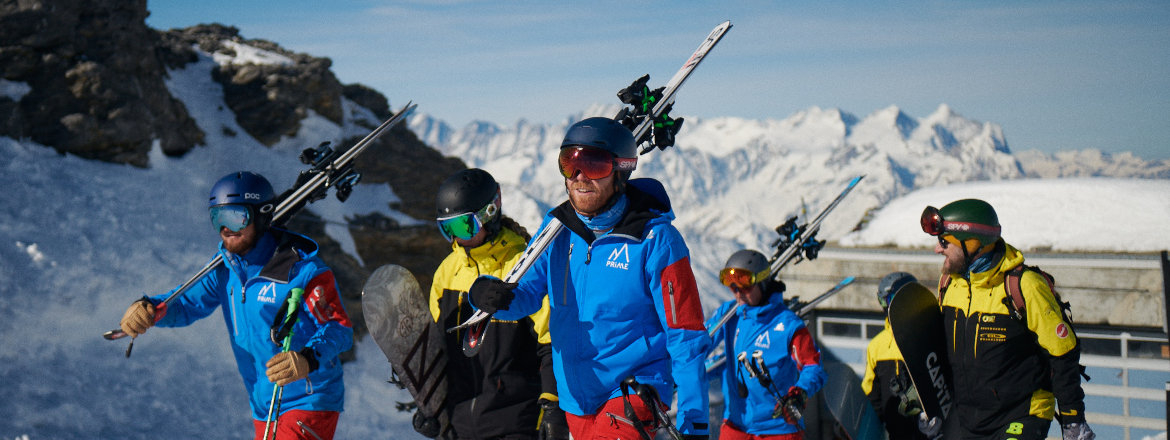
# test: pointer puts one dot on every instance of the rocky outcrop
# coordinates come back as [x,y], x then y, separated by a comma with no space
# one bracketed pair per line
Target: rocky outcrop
[95,83]
[89,78]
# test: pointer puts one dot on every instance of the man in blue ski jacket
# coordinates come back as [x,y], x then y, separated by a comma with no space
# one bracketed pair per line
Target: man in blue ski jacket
[772,364]
[262,268]
[622,295]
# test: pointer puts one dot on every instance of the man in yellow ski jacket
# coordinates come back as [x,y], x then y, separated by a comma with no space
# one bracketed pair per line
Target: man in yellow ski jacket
[1014,368]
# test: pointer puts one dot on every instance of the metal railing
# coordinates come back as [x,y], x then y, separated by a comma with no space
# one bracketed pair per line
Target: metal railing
[1129,370]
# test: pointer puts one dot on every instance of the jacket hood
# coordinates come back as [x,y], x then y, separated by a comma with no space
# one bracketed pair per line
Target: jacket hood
[1011,258]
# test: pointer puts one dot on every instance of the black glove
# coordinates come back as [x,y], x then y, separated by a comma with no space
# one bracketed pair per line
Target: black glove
[491,294]
[792,406]
[1077,431]
[427,426]
[931,427]
[553,425]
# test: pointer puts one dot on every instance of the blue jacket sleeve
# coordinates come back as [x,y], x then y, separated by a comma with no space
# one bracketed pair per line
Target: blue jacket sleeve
[680,312]
[199,301]
[533,285]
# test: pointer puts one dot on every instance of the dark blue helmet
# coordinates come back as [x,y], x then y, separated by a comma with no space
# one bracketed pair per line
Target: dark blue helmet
[890,284]
[604,133]
[241,188]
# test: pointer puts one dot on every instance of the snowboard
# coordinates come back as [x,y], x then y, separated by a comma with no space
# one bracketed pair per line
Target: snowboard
[917,323]
[399,319]
[843,397]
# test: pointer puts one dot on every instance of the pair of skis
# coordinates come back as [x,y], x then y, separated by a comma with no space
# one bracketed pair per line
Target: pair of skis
[659,103]
[798,242]
[329,169]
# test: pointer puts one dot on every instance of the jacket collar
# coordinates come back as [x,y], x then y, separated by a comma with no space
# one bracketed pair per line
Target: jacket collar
[493,254]
[647,202]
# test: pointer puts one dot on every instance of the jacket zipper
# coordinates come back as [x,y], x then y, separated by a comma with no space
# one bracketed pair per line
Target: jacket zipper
[673,312]
[565,284]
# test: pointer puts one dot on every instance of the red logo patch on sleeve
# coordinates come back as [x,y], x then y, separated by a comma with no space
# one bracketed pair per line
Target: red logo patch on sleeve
[324,302]
[1062,331]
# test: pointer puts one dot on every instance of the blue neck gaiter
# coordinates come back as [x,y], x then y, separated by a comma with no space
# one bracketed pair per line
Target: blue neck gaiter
[602,224]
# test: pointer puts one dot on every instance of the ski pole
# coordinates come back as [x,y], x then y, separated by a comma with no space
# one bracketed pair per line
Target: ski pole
[292,305]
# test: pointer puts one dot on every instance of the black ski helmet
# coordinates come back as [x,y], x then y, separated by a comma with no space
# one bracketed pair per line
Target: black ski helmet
[468,191]
[890,284]
[245,188]
[606,134]
[465,191]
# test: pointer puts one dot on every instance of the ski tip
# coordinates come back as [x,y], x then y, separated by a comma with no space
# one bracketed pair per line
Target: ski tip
[847,280]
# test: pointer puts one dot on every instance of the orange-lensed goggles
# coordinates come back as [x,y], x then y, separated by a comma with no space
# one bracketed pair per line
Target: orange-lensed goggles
[593,163]
[740,277]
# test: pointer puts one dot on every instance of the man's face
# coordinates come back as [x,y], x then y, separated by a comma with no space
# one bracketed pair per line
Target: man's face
[589,196]
[475,241]
[751,295]
[953,259]
[240,243]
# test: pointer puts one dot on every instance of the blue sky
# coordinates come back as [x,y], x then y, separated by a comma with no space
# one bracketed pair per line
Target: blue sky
[1056,75]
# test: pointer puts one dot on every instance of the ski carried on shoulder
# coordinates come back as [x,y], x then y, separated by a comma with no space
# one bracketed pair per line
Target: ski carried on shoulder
[647,117]
[329,169]
[798,242]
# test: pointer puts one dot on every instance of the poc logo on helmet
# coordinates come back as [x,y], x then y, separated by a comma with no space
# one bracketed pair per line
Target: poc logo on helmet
[251,196]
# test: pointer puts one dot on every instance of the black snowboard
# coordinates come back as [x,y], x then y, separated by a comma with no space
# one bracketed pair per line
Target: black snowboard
[399,318]
[917,323]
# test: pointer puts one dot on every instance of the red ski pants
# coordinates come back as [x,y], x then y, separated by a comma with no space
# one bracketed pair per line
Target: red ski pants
[301,425]
[728,432]
[610,422]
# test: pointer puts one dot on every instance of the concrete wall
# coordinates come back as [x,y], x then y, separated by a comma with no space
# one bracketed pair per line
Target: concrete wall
[1113,289]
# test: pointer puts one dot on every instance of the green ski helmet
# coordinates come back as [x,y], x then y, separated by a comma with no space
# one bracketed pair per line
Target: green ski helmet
[890,284]
[965,219]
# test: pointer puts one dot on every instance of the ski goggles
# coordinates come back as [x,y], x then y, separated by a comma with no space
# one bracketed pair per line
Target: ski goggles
[466,225]
[740,277]
[233,217]
[933,223]
[593,163]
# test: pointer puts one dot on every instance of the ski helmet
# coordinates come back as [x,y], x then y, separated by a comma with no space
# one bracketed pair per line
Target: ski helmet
[471,192]
[745,268]
[248,189]
[970,219]
[606,134]
[890,284]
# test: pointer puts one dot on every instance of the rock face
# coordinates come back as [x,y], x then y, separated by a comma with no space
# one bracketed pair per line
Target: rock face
[88,78]
[95,83]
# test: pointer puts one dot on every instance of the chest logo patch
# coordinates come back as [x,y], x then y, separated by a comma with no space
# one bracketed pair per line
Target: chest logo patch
[764,341]
[779,327]
[267,294]
[619,258]
[1062,331]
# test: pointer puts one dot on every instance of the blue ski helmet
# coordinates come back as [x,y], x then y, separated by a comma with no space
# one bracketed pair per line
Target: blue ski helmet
[890,284]
[248,189]
[604,133]
[609,135]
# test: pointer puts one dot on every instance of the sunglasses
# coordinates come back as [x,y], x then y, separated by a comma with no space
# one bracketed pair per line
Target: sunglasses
[233,217]
[466,225]
[740,277]
[593,163]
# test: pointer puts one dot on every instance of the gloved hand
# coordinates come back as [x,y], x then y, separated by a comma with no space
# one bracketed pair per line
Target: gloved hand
[553,425]
[792,406]
[425,425]
[491,294]
[287,367]
[1077,431]
[909,404]
[138,317]
[931,427]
